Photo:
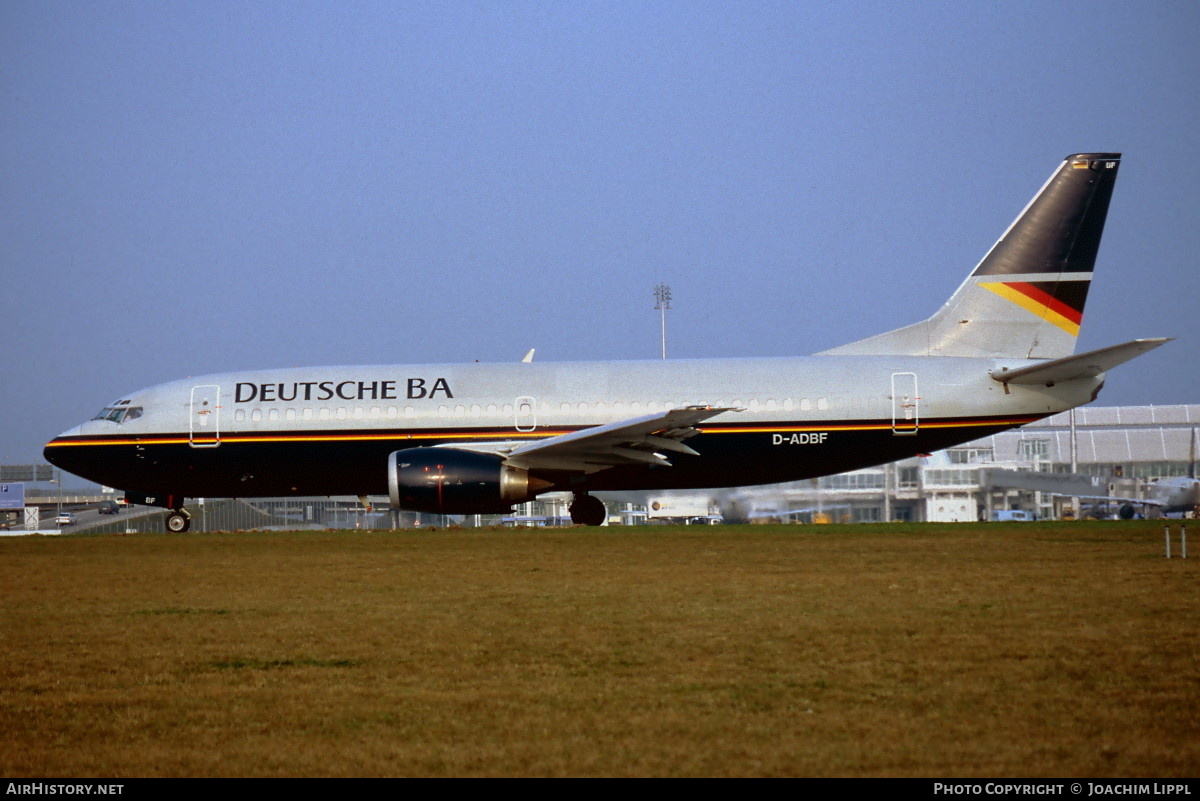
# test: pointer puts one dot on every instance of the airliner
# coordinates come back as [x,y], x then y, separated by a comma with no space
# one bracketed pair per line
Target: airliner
[479,438]
[1178,495]
[1165,497]
[1169,496]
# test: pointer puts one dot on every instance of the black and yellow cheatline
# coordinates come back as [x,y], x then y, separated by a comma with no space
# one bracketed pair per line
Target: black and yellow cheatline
[859,427]
[872,426]
[442,435]
[346,437]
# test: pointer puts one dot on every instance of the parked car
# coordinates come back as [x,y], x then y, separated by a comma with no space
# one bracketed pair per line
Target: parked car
[65,519]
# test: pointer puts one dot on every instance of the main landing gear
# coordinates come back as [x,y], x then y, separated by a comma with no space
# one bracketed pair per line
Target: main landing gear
[179,521]
[586,510]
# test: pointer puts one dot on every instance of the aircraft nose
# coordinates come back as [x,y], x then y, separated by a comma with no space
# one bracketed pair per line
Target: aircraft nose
[52,453]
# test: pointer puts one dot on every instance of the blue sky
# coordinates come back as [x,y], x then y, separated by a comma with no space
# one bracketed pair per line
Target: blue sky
[198,187]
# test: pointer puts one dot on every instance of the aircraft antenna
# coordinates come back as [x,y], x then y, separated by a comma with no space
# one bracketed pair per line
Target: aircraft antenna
[662,302]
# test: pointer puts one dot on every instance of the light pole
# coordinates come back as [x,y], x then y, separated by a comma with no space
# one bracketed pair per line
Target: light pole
[662,302]
[58,481]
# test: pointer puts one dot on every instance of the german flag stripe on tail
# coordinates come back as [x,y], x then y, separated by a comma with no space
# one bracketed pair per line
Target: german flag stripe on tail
[1059,302]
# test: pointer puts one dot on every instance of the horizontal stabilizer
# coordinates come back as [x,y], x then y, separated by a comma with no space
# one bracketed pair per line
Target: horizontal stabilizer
[1083,365]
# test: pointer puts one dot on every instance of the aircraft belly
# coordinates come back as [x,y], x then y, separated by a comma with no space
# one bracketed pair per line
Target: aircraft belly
[744,459]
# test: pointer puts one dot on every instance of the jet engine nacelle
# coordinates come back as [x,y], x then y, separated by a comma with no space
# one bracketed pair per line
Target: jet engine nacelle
[451,481]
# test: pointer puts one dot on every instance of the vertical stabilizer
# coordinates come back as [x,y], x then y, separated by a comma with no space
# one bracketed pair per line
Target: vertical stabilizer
[1025,299]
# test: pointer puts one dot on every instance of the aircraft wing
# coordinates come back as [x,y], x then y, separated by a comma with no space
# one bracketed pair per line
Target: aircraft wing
[640,440]
[1113,499]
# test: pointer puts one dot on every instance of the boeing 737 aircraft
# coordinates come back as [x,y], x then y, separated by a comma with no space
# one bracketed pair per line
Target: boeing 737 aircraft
[473,438]
[1173,495]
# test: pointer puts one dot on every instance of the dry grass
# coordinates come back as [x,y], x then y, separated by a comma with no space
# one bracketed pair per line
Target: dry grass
[989,650]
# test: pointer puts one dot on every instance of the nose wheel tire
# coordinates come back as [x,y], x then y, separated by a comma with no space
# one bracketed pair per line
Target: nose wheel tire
[587,510]
[178,522]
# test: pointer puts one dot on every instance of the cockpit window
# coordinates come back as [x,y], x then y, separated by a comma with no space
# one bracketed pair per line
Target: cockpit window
[118,414]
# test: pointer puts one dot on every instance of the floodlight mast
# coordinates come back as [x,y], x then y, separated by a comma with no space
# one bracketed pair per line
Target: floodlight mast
[662,302]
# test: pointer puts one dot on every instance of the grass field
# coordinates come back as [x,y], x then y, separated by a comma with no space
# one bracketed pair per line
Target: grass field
[1003,650]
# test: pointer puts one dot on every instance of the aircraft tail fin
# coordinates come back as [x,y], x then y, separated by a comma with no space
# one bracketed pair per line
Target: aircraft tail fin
[1025,298]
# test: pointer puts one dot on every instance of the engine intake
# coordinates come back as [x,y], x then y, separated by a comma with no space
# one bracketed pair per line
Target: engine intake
[452,481]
